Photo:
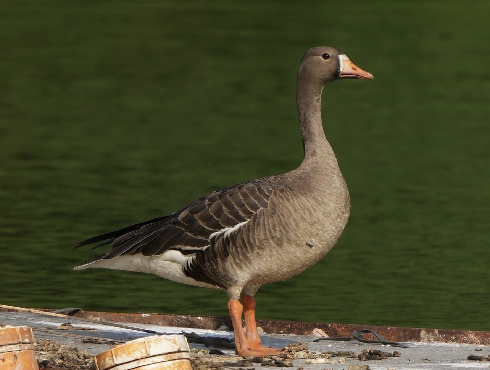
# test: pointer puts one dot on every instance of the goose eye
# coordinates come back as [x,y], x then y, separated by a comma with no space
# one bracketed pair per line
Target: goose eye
[326,56]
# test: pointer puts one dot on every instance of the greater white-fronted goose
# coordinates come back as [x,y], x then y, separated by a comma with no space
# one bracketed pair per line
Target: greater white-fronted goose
[256,232]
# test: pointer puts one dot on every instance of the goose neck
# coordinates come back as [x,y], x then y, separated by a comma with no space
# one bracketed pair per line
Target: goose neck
[309,101]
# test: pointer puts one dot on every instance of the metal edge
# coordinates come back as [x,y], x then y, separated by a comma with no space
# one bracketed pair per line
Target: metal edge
[398,334]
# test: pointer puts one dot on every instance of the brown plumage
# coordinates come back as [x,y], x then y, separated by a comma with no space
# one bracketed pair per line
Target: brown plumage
[257,232]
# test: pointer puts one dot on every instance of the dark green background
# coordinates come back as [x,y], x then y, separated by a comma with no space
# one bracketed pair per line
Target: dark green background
[114,112]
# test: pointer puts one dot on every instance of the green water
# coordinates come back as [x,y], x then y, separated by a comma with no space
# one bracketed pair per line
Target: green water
[114,112]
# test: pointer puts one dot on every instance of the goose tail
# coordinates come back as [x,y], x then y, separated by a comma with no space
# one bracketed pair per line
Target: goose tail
[87,264]
[108,238]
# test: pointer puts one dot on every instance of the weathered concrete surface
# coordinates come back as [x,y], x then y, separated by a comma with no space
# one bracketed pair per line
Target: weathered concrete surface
[97,337]
[396,334]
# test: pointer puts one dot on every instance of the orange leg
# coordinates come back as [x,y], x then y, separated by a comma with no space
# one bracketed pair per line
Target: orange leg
[241,345]
[249,344]
[252,334]
[250,324]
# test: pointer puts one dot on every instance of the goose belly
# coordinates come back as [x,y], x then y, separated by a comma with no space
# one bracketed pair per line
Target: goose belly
[289,242]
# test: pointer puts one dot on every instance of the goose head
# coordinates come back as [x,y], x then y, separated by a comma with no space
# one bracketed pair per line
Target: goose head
[325,64]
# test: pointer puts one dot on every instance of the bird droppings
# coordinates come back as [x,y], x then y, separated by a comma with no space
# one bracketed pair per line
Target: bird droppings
[478,358]
[66,326]
[281,360]
[206,351]
[301,351]
[102,341]
[376,354]
[206,362]
[53,356]
[69,326]
[358,367]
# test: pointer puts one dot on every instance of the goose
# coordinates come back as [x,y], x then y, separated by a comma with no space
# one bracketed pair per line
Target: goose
[256,232]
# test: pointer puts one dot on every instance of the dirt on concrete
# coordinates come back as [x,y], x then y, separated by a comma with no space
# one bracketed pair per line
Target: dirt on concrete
[54,356]
[206,361]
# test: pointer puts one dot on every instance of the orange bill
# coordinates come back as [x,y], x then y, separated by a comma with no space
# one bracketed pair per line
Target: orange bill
[347,69]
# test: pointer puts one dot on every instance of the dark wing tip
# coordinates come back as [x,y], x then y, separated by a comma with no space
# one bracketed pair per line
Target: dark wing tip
[108,238]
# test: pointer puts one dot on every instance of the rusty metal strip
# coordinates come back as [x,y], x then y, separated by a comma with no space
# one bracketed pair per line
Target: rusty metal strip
[397,334]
